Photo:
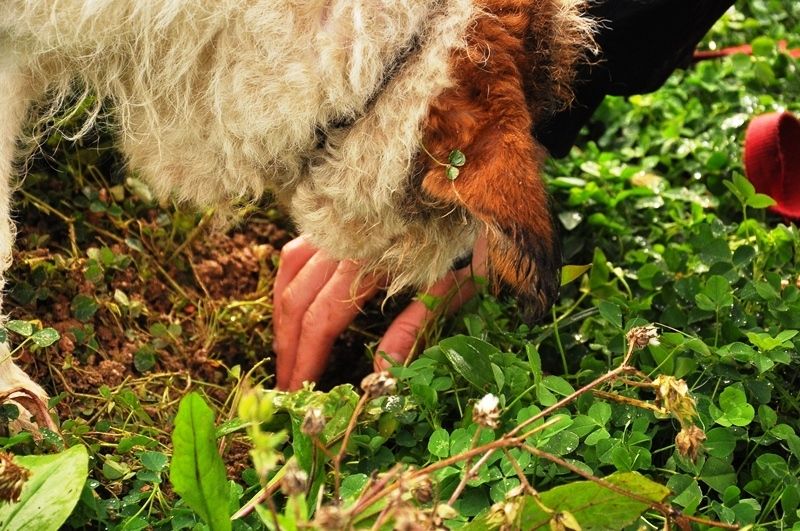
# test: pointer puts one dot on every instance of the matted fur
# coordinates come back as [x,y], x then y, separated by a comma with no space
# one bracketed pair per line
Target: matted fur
[215,102]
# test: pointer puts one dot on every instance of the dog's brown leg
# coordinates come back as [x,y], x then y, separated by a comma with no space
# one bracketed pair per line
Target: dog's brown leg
[486,117]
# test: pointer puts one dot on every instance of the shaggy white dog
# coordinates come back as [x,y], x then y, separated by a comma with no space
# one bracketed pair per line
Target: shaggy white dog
[320,101]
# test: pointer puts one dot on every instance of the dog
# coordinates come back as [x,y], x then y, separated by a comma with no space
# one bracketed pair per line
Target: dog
[346,110]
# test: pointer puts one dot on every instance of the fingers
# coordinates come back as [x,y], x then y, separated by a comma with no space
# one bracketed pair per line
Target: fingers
[401,337]
[294,256]
[314,302]
[291,302]
[329,315]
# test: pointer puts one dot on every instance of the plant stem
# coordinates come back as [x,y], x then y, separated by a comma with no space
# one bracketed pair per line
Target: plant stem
[337,460]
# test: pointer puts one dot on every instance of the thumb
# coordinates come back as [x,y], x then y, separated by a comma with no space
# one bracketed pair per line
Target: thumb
[402,335]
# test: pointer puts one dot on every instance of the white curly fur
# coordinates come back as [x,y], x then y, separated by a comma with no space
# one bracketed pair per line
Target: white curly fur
[216,102]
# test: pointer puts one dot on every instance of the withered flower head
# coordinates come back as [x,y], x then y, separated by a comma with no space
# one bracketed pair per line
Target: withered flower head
[439,513]
[486,412]
[294,481]
[423,491]
[641,336]
[330,518]
[12,478]
[689,441]
[564,521]
[505,514]
[672,394]
[379,384]
[313,422]
[409,518]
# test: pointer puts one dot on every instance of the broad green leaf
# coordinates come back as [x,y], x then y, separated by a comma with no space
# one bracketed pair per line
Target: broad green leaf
[573,272]
[596,436]
[746,511]
[154,461]
[767,343]
[23,328]
[771,468]
[718,474]
[600,412]
[720,442]
[45,337]
[439,443]
[760,201]
[763,46]
[83,307]
[561,443]
[595,507]
[557,385]
[686,491]
[197,472]
[352,486]
[735,409]
[715,295]
[469,356]
[51,492]
[611,313]
[744,186]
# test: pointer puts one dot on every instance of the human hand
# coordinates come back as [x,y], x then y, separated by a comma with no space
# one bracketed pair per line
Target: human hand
[314,302]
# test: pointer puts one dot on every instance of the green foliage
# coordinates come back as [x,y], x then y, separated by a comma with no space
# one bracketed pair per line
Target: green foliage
[51,492]
[591,505]
[197,472]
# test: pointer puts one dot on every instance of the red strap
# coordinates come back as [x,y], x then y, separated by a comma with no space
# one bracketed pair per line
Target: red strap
[702,55]
[772,160]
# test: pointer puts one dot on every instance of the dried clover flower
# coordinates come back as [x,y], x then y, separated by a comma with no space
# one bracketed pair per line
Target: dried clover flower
[294,481]
[423,491]
[505,514]
[689,441]
[313,422]
[672,394]
[486,412]
[409,518]
[379,384]
[564,521]
[641,336]
[330,518]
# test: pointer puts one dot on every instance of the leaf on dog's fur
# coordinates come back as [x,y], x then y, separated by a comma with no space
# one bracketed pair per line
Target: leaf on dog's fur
[457,158]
